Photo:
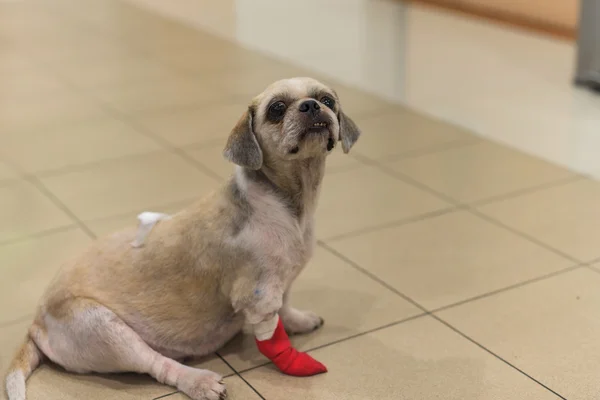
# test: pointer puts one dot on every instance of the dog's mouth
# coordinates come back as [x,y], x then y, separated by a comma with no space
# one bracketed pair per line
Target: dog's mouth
[318,130]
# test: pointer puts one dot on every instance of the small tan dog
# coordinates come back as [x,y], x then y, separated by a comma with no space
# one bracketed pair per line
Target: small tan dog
[226,261]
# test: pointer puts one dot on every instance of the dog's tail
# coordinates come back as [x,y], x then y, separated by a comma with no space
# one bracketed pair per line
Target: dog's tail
[26,360]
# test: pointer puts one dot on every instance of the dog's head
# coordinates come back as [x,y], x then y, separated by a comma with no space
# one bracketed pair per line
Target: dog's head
[293,119]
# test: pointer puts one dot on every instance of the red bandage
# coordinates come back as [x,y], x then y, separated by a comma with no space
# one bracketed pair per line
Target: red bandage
[290,361]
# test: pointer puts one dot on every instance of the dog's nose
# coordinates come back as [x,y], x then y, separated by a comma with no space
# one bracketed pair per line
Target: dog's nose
[310,106]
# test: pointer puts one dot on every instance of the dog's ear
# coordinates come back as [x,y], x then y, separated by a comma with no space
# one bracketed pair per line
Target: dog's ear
[349,132]
[242,147]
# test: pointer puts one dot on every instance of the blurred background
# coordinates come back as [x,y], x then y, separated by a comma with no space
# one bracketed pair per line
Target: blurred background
[504,69]
[457,252]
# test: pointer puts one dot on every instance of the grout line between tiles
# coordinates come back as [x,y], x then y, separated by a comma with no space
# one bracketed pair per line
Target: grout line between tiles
[49,173]
[465,336]
[39,234]
[125,214]
[431,313]
[239,375]
[370,274]
[58,203]
[529,190]
[425,151]
[591,267]
[509,288]
[467,207]
[523,235]
[166,395]
[7,324]
[395,223]
[133,124]
[407,179]
[157,139]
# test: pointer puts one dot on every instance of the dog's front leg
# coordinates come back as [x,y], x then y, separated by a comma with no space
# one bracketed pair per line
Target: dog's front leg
[297,321]
[274,343]
[262,313]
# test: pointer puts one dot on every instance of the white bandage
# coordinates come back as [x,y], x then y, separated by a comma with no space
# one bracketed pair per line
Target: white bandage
[147,221]
[265,330]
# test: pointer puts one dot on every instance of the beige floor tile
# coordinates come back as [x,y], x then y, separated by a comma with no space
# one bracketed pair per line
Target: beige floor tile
[158,95]
[450,258]
[29,82]
[7,173]
[24,211]
[403,131]
[28,266]
[237,389]
[349,306]
[74,145]
[548,329]
[420,359]
[128,185]
[42,112]
[122,70]
[30,36]
[371,197]
[114,16]
[224,56]
[11,62]
[105,226]
[479,171]
[23,17]
[195,124]
[564,217]
[62,46]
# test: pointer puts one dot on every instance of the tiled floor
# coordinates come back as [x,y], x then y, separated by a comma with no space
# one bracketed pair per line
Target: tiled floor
[448,267]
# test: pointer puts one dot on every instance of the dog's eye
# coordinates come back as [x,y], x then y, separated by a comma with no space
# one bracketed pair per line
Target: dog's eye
[276,111]
[328,101]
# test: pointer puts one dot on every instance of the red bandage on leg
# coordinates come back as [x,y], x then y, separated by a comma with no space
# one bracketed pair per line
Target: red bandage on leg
[290,361]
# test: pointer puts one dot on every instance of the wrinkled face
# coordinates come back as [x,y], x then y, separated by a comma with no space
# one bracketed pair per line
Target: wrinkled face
[293,119]
[296,118]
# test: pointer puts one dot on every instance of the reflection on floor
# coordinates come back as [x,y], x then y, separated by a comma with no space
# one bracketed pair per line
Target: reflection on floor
[456,268]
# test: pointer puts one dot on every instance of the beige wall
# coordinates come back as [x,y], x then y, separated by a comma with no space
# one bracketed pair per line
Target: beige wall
[563,13]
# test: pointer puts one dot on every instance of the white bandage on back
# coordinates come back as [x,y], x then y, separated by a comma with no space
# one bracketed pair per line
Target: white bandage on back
[265,330]
[147,221]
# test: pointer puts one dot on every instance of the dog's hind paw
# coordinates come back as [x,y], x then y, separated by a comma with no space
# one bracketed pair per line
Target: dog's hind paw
[299,322]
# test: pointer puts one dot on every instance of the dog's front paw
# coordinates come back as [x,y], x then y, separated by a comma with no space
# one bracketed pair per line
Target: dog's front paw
[203,385]
[298,322]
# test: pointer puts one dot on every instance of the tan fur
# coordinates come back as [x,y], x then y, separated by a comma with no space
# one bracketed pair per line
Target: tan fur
[227,260]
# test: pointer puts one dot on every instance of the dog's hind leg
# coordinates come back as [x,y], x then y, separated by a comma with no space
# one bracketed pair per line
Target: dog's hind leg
[91,338]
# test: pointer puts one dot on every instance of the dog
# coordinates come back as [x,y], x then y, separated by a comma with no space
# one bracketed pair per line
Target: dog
[205,272]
